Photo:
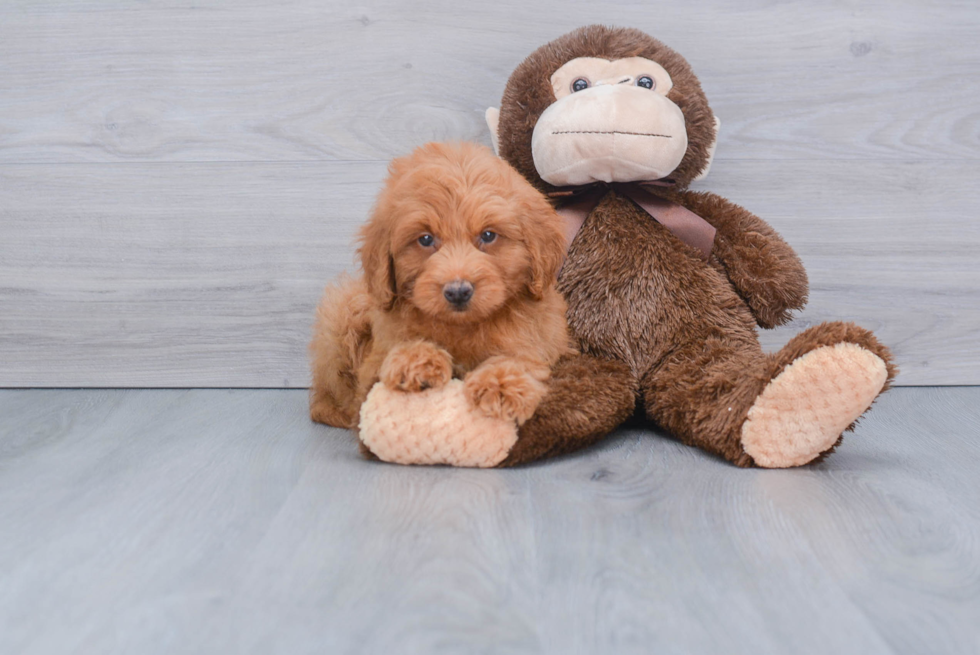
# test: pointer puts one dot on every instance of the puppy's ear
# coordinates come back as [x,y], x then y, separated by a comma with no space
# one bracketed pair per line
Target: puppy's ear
[377,260]
[544,237]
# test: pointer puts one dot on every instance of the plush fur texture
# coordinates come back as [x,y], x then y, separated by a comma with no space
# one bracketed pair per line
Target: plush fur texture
[528,94]
[684,330]
[784,427]
[448,215]
[587,398]
[601,392]
[435,426]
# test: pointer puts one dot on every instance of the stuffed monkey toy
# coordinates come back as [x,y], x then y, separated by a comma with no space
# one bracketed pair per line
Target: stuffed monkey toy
[665,286]
[614,125]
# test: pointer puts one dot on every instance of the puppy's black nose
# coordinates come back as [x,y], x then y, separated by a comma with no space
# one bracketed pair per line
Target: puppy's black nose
[458,293]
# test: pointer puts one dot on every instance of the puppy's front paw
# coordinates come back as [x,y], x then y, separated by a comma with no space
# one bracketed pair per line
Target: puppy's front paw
[506,389]
[416,367]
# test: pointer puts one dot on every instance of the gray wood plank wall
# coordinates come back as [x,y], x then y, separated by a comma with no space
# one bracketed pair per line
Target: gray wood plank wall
[178,182]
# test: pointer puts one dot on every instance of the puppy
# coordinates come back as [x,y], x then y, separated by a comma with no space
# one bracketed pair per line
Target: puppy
[459,262]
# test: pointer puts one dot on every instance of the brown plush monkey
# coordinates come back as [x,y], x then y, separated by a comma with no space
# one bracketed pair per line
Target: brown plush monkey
[665,286]
[676,299]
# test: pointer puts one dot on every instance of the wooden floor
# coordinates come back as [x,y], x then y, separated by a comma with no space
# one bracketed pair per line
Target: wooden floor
[209,521]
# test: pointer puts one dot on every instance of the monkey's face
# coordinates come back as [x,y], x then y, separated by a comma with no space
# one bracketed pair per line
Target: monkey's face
[611,122]
[604,104]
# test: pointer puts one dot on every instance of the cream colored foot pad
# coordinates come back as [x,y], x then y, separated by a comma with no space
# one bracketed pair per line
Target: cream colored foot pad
[803,411]
[436,426]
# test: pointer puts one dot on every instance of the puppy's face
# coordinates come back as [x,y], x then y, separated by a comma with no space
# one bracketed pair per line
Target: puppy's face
[458,234]
[462,260]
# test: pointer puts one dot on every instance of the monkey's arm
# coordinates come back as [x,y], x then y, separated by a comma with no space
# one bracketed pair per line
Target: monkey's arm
[764,269]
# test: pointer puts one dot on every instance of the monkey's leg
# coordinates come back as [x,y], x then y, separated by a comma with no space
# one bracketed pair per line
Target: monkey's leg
[725,396]
[702,391]
[587,398]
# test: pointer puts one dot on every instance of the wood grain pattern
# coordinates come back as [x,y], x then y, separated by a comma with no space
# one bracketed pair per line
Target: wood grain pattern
[177,182]
[221,80]
[190,275]
[223,521]
[207,274]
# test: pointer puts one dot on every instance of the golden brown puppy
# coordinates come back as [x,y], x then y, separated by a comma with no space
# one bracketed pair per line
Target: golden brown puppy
[460,258]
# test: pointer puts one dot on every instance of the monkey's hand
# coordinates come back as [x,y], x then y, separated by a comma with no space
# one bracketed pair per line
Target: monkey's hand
[764,269]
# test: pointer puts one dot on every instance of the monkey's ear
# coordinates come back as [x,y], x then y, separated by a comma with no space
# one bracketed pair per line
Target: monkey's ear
[378,262]
[711,152]
[493,120]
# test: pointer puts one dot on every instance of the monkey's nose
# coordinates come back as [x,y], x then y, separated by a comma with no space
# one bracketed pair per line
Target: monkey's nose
[458,293]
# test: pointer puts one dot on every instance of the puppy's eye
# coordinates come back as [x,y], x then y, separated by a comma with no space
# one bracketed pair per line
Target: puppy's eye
[487,236]
[580,84]
[646,82]
[426,240]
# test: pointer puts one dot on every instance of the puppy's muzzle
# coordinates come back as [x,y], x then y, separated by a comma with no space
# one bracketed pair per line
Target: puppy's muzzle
[458,293]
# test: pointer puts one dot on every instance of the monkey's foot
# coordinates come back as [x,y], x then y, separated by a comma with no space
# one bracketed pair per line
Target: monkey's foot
[435,426]
[804,410]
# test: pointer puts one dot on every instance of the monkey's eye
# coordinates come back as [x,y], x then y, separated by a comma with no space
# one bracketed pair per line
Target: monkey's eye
[426,240]
[580,84]
[487,236]
[646,82]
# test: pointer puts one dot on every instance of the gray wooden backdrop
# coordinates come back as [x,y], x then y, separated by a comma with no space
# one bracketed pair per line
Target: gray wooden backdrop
[179,180]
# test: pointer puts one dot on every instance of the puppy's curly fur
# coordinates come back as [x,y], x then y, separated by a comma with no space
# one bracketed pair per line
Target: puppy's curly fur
[460,258]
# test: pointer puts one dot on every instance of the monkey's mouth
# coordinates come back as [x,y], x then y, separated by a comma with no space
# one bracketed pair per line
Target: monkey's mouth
[662,136]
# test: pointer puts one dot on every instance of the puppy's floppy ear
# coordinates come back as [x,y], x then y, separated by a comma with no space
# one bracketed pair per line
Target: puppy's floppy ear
[544,237]
[377,259]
